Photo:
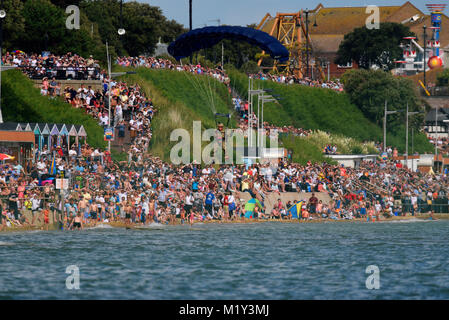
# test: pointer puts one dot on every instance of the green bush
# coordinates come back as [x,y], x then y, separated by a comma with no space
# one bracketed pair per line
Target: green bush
[250,67]
[304,150]
[443,78]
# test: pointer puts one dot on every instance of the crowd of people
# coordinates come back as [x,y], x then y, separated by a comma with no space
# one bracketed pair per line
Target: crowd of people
[68,66]
[305,81]
[145,189]
[160,63]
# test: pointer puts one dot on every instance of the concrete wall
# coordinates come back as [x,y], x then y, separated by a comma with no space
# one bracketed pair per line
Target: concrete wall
[352,160]
[438,102]
[96,84]
[272,198]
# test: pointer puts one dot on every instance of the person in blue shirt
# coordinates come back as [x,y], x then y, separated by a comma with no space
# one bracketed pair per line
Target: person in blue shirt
[209,202]
[79,168]
[195,186]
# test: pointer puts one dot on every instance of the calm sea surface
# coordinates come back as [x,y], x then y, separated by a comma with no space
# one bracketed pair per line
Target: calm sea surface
[231,261]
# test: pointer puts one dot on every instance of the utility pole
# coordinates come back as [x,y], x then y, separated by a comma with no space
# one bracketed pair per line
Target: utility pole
[436,135]
[307,42]
[190,23]
[413,149]
[385,124]
[406,135]
[2,17]
[424,61]
[109,93]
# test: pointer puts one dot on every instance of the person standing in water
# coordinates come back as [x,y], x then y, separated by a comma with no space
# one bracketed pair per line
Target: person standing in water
[77,222]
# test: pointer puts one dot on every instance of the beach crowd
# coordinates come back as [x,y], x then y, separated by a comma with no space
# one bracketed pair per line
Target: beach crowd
[144,189]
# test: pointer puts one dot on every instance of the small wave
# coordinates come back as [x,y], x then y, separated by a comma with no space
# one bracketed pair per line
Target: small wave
[409,220]
[2,243]
[152,225]
[102,226]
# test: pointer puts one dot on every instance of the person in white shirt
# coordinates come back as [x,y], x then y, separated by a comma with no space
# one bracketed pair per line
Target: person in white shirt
[104,119]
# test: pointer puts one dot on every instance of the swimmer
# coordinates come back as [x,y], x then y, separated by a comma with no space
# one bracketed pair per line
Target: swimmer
[432,217]
[77,222]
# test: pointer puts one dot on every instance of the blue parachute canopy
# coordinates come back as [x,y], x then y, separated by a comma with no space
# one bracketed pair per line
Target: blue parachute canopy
[207,37]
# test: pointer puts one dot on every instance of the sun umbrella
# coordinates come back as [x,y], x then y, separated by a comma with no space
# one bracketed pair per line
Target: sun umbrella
[250,205]
[4,156]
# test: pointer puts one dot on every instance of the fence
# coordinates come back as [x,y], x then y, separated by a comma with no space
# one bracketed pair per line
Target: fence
[436,91]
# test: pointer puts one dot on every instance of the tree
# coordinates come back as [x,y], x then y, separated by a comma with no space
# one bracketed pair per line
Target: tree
[369,89]
[370,47]
[42,18]
[144,25]
[235,52]
[443,78]
[14,23]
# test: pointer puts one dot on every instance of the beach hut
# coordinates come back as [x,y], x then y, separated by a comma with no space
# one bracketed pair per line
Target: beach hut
[37,135]
[82,133]
[63,137]
[54,134]
[45,134]
[24,126]
[73,135]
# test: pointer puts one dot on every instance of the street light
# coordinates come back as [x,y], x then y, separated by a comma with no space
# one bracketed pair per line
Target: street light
[424,59]
[385,124]
[307,39]
[190,24]
[110,75]
[2,16]
[251,92]
[406,135]
[263,98]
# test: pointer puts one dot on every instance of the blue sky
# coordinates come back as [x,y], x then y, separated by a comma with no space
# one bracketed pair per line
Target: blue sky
[243,12]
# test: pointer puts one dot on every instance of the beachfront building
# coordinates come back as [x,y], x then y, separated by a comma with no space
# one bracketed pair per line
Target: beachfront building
[17,140]
[436,123]
[21,139]
[328,26]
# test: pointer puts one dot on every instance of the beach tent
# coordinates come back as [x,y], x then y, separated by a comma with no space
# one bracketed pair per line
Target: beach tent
[249,207]
[295,210]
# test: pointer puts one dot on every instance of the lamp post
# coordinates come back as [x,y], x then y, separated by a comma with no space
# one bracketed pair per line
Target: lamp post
[406,135]
[190,23]
[251,92]
[385,124]
[307,42]
[307,39]
[2,16]
[264,98]
[424,60]
[436,134]
[110,75]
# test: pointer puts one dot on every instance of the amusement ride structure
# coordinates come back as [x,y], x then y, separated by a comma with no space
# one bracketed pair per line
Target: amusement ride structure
[418,58]
[292,30]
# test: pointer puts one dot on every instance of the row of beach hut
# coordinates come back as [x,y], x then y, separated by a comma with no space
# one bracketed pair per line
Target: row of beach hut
[51,134]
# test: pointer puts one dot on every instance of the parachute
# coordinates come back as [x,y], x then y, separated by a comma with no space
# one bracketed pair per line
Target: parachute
[207,37]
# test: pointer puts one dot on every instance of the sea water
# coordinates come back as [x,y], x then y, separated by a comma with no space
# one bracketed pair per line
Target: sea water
[230,261]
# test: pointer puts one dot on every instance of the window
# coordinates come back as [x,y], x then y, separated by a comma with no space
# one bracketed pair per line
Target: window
[347,65]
